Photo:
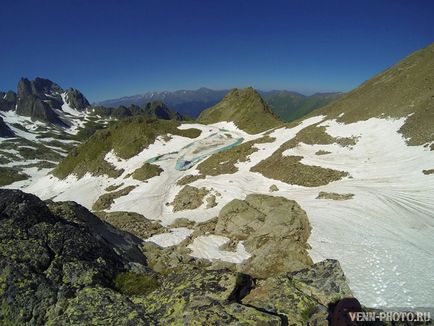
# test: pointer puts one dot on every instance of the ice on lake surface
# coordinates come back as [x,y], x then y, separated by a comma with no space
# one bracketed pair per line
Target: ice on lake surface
[198,150]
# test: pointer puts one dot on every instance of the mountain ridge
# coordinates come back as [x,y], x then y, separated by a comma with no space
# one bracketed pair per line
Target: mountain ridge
[193,102]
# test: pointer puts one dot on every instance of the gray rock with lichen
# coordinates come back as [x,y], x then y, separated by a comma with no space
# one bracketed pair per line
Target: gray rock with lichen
[274,230]
[302,296]
[189,198]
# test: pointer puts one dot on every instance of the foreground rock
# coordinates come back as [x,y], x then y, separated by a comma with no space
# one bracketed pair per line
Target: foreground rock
[274,230]
[48,257]
[61,265]
[301,296]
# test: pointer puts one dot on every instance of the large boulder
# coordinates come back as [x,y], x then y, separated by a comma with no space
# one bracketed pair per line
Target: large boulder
[274,230]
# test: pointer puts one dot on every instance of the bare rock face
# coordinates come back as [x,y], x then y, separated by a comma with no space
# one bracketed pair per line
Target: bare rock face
[274,230]
[5,131]
[8,101]
[40,99]
[76,99]
[301,296]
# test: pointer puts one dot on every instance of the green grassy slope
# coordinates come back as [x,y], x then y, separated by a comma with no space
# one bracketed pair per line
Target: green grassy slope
[246,108]
[290,106]
[406,89]
[126,137]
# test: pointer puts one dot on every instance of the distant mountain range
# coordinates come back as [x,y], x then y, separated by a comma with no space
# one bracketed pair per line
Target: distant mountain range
[186,102]
[287,105]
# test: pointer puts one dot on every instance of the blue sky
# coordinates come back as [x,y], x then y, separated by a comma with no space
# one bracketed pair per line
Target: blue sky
[110,48]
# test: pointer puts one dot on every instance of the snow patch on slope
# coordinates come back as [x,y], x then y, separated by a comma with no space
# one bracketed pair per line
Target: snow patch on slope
[209,247]
[172,238]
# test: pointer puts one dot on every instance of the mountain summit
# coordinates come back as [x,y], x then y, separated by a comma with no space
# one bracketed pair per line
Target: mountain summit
[246,108]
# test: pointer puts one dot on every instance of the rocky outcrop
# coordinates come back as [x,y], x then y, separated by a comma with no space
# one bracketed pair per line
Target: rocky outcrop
[37,109]
[76,99]
[154,109]
[274,230]
[204,298]
[40,99]
[61,265]
[302,296]
[48,257]
[189,198]
[133,223]
[8,101]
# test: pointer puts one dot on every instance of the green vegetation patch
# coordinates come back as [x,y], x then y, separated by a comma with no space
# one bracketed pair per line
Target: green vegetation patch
[40,165]
[146,172]
[135,284]
[189,179]
[290,106]
[427,172]
[334,196]
[126,137]
[29,150]
[113,187]
[289,169]
[322,152]
[10,175]
[106,200]
[224,162]
[90,128]
[317,135]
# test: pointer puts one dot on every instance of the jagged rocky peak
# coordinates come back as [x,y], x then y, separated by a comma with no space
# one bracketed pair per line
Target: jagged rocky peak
[42,99]
[246,108]
[161,111]
[39,87]
[76,99]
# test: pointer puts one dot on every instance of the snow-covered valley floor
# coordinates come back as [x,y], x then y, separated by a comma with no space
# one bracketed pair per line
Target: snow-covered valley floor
[383,236]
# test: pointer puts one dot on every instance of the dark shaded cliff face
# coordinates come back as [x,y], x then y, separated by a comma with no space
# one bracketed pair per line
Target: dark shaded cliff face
[76,99]
[155,109]
[5,131]
[38,99]
[8,101]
